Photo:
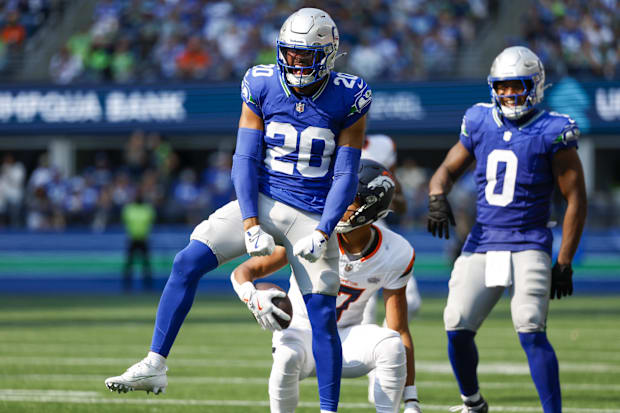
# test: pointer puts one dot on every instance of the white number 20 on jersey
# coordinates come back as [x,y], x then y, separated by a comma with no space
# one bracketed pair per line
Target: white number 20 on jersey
[510,177]
[306,138]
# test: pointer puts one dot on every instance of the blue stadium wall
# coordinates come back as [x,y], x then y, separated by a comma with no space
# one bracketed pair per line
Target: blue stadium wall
[82,261]
[406,108]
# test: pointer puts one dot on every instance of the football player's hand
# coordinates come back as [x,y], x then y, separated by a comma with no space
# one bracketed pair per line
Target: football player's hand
[311,247]
[258,242]
[561,280]
[259,303]
[439,216]
[412,407]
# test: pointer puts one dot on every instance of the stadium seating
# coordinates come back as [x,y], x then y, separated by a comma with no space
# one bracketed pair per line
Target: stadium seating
[198,40]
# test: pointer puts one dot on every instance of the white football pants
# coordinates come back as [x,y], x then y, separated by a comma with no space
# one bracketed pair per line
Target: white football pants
[223,233]
[364,348]
[470,301]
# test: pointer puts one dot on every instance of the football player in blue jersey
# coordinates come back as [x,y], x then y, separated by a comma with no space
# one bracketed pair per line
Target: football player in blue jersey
[521,151]
[294,170]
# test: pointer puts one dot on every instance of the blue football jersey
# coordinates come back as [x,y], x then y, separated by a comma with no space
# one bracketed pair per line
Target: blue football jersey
[301,132]
[514,177]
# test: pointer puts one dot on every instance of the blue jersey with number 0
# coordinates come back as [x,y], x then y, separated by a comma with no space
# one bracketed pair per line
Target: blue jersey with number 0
[301,132]
[514,176]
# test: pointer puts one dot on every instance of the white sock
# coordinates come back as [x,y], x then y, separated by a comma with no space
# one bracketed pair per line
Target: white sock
[473,398]
[156,359]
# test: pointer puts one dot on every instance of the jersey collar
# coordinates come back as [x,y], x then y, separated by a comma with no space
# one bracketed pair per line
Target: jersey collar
[287,91]
[373,248]
[314,97]
[322,88]
[498,119]
[532,119]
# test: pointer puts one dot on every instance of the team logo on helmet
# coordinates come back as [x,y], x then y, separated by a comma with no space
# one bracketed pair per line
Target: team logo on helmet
[384,181]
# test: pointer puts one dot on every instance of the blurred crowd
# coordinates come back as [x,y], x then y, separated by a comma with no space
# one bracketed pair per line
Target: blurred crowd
[46,200]
[153,40]
[574,37]
[19,21]
[150,169]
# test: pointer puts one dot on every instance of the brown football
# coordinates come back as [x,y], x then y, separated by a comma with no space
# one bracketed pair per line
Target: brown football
[283,303]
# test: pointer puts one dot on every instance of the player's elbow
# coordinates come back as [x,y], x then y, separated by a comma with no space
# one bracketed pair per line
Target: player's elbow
[577,201]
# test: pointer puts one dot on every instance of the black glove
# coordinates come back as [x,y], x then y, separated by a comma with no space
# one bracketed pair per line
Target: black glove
[561,280]
[439,216]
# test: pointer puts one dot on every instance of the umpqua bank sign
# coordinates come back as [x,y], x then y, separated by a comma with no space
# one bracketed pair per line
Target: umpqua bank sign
[45,110]
[420,108]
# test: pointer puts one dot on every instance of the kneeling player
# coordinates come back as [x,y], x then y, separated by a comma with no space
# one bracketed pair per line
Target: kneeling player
[371,258]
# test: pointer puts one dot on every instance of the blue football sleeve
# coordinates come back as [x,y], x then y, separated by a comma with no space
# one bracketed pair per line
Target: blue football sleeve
[244,173]
[344,187]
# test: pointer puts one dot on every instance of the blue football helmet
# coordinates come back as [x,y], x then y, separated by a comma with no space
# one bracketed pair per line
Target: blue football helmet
[518,63]
[313,34]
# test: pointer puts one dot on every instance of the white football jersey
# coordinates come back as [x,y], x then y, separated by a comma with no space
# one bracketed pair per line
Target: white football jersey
[380,148]
[389,265]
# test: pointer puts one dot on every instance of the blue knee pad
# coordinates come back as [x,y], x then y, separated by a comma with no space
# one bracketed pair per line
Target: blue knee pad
[326,348]
[544,369]
[178,296]
[463,356]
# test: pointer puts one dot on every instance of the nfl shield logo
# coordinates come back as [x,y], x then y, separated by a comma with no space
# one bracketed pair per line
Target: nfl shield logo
[299,107]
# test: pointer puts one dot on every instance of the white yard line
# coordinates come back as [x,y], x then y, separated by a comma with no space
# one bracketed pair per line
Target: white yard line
[422,366]
[58,396]
[361,382]
[53,348]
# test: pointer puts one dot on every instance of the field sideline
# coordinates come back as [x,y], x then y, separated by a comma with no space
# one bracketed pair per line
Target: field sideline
[55,353]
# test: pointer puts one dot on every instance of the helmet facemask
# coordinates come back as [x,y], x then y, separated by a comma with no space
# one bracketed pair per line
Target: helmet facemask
[523,102]
[307,68]
[360,216]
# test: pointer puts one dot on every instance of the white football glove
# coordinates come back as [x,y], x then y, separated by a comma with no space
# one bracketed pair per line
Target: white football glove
[258,242]
[259,303]
[412,407]
[311,247]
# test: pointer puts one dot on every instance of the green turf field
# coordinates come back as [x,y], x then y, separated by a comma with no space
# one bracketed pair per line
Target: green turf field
[56,352]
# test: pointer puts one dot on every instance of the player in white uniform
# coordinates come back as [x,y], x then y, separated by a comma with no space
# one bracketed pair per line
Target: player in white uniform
[371,258]
[382,149]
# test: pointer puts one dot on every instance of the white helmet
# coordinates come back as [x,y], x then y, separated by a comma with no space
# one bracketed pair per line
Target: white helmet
[518,63]
[312,30]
